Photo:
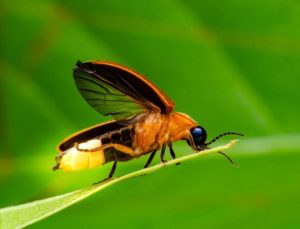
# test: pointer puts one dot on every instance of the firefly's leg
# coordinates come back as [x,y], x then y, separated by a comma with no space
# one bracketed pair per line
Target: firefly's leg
[150,159]
[162,153]
[118,147]
[113,168]
[172,152]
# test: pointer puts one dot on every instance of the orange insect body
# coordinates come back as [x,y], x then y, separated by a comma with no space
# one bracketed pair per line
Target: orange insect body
[144,120]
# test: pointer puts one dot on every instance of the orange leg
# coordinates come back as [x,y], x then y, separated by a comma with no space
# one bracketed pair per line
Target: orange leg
[118,147]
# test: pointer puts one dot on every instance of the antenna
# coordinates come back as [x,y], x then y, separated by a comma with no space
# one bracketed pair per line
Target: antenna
[222,135]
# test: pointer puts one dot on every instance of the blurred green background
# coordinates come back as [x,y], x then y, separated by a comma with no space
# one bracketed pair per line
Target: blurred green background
[231,65]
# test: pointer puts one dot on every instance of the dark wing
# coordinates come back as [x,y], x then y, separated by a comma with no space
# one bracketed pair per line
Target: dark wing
[91,133]
[118,91]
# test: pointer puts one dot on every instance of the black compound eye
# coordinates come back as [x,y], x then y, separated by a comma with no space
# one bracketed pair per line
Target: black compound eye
[199,135]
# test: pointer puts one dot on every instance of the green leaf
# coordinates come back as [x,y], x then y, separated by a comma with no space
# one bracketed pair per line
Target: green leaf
[26,214]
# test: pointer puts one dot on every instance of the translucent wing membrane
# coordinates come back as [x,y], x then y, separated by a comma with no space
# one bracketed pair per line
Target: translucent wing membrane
[115,90]
[104,98]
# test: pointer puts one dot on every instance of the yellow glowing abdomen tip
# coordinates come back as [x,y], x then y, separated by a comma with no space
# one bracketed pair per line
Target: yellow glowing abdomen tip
[74,160]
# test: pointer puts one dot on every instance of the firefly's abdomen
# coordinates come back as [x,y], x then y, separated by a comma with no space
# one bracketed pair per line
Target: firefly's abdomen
[73,159]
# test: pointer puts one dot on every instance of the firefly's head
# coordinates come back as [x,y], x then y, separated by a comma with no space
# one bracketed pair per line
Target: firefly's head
[198,138]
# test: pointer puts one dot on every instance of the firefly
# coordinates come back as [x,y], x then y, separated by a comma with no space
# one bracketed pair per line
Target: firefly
[143,122]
